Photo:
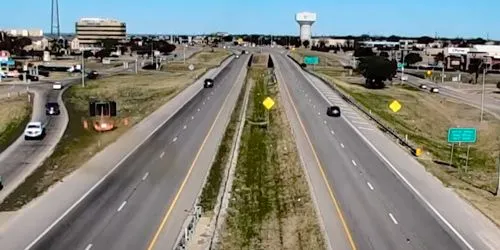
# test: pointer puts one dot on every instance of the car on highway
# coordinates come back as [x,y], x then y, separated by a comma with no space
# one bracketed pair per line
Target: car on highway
[34,130]
[209,83]
[333,111]
[434,90]
[52,108]
[57,86]
[29,77]
[423,86]
[237,56]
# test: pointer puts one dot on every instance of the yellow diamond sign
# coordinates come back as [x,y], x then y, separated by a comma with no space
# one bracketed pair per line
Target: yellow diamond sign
[268,103]
[395,106]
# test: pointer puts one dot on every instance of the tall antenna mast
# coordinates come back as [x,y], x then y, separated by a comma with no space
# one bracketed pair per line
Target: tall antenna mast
[54,21]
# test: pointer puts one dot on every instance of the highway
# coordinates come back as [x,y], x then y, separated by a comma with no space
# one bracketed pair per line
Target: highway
[125,211]
[379,210]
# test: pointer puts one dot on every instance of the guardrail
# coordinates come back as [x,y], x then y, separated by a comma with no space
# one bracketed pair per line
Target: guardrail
[385,128]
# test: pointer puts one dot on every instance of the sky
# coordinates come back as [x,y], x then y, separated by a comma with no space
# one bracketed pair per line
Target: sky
[446,18]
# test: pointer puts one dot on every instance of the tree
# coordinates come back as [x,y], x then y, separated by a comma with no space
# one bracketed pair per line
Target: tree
[363,52]
[306,43]
[425,40]
[413,58]
[109,44]
[439,57]
[376,70]
[384,54]
[87,54]
[103,53]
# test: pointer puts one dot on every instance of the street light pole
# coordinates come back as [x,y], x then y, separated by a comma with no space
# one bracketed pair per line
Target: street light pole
[83,68]
[482,94]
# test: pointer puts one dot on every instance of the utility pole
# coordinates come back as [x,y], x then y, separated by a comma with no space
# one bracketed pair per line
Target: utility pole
[498,175]
[83,68]
[482,94]
[442,75]
[184,54]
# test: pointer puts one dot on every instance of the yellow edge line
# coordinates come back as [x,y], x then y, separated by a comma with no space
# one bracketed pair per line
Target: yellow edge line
[177,195]
[330,190]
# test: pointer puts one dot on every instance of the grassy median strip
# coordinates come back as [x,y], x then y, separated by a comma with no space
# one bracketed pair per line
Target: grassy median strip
[270,206]
[16,112]
[425,119]
[137,96]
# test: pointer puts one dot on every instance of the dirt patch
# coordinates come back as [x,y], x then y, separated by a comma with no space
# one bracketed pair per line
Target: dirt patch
[260,59]
[16,111]
[425,119]
[270,206]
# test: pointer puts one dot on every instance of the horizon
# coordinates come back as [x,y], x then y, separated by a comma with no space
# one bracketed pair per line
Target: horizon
[343,18]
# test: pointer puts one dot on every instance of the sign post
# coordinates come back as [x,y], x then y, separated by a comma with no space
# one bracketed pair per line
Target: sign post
[461,135]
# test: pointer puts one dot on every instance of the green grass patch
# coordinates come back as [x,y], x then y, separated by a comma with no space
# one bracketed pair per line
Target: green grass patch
[17,114]
[263,211]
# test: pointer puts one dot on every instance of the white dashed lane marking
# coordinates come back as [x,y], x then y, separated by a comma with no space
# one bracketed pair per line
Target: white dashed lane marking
[370,185]
[354,163]
[162,154]
[175,139]
[393,219]
[89,246]
[145,176]
[121,206]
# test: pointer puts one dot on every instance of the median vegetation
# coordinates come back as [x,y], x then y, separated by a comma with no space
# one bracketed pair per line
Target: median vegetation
[136,96]
[16,112]
[270,206]
[425,119]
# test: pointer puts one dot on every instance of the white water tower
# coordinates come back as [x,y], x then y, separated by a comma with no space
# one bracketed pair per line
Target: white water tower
[305,20]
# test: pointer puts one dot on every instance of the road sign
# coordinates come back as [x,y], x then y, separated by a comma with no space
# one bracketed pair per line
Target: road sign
[429,73]
[268,103]
[462,135]
[311,60]
[395,106]
[401,65]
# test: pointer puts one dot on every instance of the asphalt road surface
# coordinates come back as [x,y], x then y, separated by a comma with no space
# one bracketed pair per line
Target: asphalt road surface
[381,212]
[126,209]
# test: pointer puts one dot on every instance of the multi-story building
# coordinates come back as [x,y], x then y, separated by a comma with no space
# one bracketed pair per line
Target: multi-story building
[91,31]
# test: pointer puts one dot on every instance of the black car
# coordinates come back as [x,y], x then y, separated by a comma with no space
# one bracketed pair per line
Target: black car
[333,111]
[209,83]
[29,77]
[93,74]
[52,108]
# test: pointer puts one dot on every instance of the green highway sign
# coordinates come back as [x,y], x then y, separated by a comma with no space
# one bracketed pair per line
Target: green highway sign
[401,65]
[311,60]
[462,135]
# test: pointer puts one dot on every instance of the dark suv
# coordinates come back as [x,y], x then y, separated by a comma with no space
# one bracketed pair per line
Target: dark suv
[52,108]
[209,83]
[333,111]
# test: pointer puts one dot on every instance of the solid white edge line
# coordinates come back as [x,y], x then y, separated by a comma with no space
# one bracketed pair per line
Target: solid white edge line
[393,219]
[434,210]
[145,176]
[89,246]
[121,206]
[369,185]
[114,168]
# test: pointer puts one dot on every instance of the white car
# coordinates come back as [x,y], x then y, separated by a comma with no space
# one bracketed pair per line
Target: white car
[423,86]
[57,86]
[34,130]
[434,90]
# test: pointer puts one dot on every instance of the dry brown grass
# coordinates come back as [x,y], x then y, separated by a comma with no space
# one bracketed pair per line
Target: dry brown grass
[425,119]
[16,111]
[260,59]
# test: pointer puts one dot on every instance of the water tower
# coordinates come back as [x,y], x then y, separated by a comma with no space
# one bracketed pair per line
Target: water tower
[305,20]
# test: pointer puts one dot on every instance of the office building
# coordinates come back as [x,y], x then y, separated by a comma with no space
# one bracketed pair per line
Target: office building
[91,31]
